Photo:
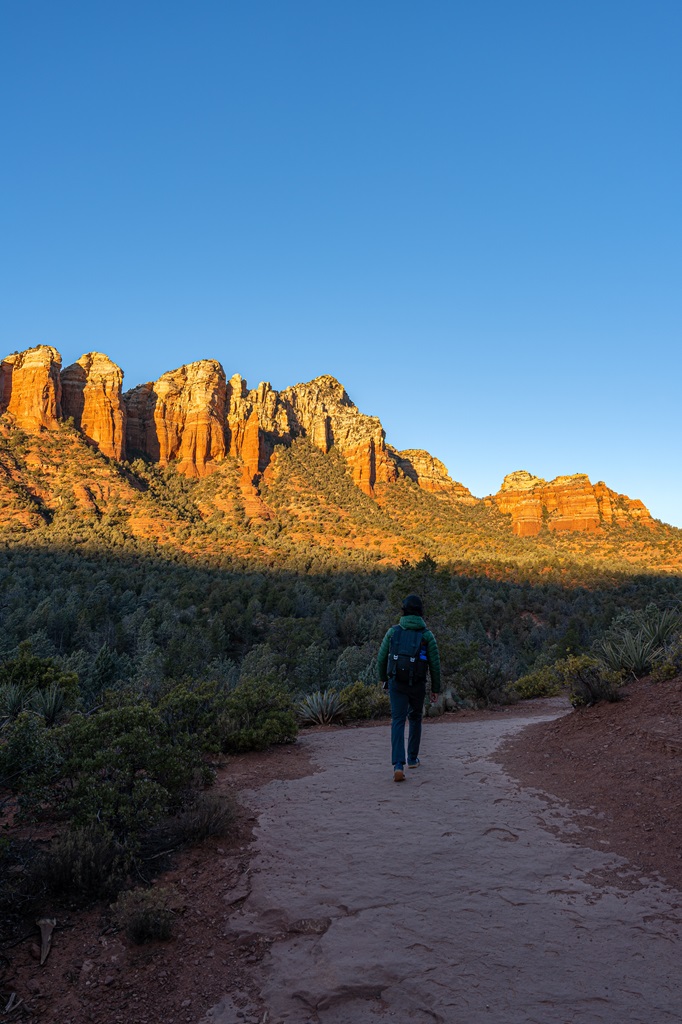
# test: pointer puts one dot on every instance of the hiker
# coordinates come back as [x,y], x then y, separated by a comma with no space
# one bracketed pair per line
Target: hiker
[406,652]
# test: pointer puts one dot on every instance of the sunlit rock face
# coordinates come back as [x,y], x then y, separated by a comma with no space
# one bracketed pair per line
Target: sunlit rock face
[91,394]
[565,503]
[431,475]
[320,410]
[30,388]
[180,418]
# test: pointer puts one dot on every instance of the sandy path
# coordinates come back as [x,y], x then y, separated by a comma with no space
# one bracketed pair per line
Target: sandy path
[445,898]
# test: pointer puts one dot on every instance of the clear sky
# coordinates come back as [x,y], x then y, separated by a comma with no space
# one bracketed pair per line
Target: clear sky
[468,212]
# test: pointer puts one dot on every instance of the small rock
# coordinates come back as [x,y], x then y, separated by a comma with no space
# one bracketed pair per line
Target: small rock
[109,980]
[35,951]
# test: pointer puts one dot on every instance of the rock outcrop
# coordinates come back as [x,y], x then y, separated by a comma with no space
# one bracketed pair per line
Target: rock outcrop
[320,410]
[565,503]
[30,388]
[91,394]
[180,418]
[431,475]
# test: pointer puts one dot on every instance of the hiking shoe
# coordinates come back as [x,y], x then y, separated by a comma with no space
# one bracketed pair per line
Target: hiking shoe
[413,764]
[398,773]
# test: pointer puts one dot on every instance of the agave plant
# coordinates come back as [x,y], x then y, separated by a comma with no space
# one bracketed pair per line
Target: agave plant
[13,700]
[320,708]
[49,704]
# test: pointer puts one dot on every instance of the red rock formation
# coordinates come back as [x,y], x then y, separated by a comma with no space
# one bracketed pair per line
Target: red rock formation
[91,393]
[565,503]
[431,475]
[320,410]
[30,388]
[180,417]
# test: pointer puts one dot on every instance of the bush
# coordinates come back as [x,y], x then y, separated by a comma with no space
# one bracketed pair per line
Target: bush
[84,865]
[205,814]
[195,710]
[544,682]
[362,701]
[146,915]
[320,708]
[256,716]
[589,680]
[124,769]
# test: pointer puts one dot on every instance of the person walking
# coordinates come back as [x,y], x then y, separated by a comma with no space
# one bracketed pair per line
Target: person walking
[406,652]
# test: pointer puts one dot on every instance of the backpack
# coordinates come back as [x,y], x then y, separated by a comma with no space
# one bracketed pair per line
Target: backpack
[407,660]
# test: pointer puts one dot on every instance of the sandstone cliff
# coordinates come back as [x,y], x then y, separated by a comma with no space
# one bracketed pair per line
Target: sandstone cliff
[431,475]
[30,388]
[565,503]
[180,417]
[320,410]
[91,393]
[193,417]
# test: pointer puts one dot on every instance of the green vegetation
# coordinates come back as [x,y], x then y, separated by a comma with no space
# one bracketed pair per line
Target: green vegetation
[320,708]
[149,626]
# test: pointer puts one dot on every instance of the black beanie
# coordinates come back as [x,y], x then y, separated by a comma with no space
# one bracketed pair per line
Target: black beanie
[412,605]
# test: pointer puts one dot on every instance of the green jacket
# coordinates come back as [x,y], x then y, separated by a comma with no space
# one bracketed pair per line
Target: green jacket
[412,622]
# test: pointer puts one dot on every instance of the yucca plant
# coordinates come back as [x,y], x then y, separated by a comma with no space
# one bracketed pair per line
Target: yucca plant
[320,708]
[49,704]
[13,700]
[630,652]
[660,626]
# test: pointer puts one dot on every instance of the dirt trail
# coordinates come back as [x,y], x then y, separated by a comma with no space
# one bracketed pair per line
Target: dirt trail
[454,897]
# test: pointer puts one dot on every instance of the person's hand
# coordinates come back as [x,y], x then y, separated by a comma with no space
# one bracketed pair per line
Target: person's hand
[433,697]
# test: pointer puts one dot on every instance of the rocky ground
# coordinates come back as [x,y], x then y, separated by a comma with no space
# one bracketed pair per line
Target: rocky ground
[618,762]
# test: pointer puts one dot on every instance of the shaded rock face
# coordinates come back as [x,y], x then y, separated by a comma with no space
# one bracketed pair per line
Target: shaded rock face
[431,475]
[91,393]
[30,388]
[565,503]
[180,418]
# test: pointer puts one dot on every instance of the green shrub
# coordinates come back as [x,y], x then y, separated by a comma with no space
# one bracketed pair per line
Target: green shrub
[29,757]
[195,710]
[146,915]
[589,680]
[320,708]
[204,815]
[255,717]
[29,672]
[544,682]
[362,701]
[124,769]
[85,864]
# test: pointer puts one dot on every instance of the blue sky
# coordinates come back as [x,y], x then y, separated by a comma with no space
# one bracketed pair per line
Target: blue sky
[469,213]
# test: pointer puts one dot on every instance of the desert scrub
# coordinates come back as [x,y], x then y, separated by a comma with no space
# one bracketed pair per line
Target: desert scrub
[83,865]
[124,769]
[147,915]
[544,682]
[320,708]
[256,716]
[362,701]
[589,680]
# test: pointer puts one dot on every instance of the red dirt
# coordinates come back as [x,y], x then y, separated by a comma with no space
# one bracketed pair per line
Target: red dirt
[621,760]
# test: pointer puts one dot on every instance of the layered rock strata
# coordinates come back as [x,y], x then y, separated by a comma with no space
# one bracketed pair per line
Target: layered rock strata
[565,503]
[180,418]
[320,410]
[431,475]
[30,388]
[91,394]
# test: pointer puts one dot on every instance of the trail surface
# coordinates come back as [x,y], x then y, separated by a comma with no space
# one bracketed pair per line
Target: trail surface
[454,897]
